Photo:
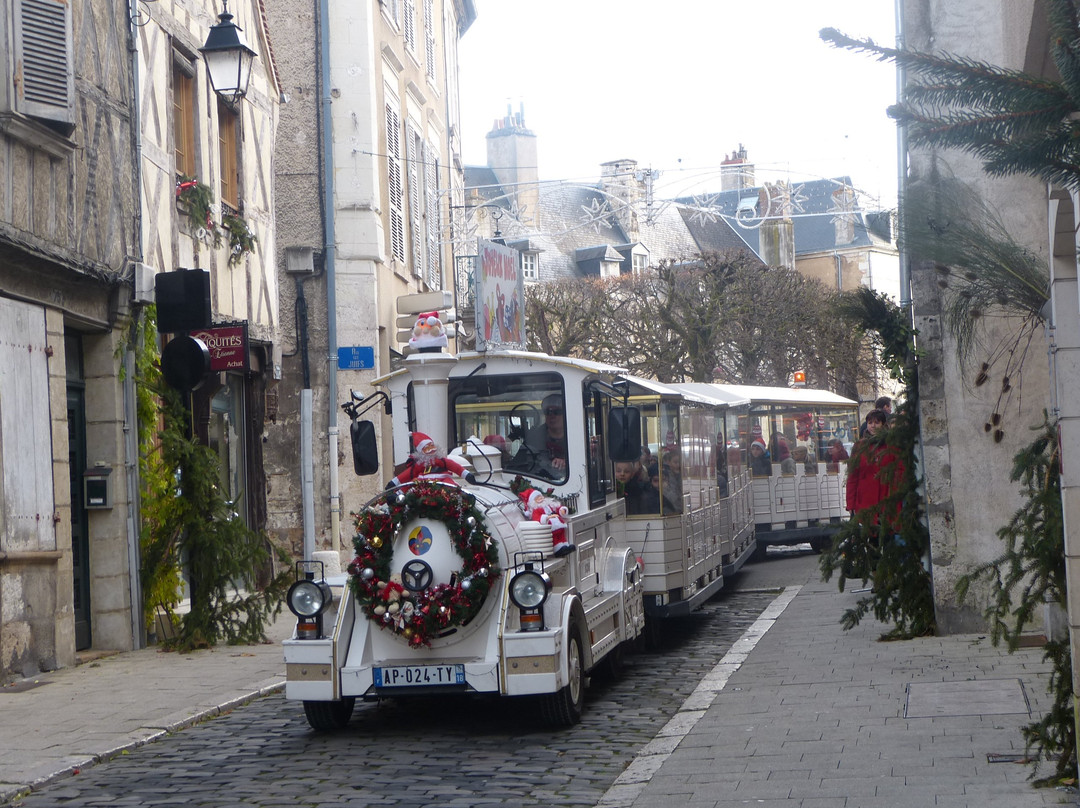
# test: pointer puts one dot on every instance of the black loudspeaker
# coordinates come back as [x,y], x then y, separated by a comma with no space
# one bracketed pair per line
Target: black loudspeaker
[183,300]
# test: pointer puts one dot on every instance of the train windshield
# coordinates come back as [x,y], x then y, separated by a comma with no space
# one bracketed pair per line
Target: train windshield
[523,415]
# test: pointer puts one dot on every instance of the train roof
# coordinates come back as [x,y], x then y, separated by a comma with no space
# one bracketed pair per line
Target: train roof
[784,395]
[712,391]
[584,365]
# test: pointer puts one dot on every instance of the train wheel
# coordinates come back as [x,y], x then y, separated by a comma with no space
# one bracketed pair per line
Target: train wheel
[818,545]
[563,709]
[761,551]
[327,716]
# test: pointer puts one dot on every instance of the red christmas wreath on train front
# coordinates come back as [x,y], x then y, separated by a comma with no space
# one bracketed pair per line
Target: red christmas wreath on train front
[421,616]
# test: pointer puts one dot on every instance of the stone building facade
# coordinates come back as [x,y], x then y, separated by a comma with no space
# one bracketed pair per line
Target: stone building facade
[368,166]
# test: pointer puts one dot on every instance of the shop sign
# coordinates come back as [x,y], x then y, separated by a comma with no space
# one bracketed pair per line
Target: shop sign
[227,345]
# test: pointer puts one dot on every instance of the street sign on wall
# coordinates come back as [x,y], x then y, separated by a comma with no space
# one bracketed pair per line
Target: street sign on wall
[356,357]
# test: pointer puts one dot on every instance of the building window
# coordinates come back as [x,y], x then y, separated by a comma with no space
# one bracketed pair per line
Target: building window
[408,24]
[416,199]
[42,85]
[530,266]
[433,215]
[639,263]
[228,124]
[392,9]
[429,38]
[394,182]
[184,120]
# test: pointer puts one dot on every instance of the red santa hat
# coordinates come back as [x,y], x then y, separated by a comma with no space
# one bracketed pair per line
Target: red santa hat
[758,443]
[530,496]
[420,440]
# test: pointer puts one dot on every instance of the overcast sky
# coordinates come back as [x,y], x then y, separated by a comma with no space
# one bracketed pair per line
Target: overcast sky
[679,84]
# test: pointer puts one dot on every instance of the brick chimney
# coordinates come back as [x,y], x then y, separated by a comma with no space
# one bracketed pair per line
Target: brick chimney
[736,171]
[621,180]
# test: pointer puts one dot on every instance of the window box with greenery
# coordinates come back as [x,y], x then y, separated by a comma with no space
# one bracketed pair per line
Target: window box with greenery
[197,201]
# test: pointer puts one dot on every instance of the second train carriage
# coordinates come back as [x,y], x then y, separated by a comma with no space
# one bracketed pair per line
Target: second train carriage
[698,525]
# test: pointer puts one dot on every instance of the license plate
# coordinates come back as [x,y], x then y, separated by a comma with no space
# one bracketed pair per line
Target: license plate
[419,675]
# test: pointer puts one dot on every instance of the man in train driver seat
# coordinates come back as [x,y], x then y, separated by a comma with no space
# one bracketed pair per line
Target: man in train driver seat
[544,450]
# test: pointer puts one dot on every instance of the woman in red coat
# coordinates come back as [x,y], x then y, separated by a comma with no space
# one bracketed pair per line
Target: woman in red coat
[873,470]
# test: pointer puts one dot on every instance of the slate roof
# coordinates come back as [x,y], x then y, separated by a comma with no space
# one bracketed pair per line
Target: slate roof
[578,223]
[816,205]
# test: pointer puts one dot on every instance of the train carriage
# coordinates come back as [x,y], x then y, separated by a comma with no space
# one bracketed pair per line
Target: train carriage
[798,495]
[697,525]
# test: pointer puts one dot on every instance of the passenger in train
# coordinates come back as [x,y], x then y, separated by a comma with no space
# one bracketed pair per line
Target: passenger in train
[672,481]
[781,453]
[803,456]
[544,450]
[760,460]
[650,498]
[719,457]
[631,483]
[837,455]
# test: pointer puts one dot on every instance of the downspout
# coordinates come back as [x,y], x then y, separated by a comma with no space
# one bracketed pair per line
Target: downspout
[329,248]
[901,167]
[131,424]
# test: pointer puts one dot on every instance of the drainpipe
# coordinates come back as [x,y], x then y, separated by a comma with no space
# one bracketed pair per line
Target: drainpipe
[131,431]
[901,166]
[329,249]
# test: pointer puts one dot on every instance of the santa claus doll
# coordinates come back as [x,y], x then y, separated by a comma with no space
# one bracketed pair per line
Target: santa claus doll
[429,462]
[549,511]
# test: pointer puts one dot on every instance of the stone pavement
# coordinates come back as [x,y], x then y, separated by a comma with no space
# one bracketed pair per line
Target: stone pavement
[60,722]
[799,714]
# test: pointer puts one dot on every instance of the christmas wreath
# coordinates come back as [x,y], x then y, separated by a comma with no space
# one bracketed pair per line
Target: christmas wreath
[421,616]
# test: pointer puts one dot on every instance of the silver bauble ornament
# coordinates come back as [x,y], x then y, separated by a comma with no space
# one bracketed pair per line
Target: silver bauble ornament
[367,574]
[471,521]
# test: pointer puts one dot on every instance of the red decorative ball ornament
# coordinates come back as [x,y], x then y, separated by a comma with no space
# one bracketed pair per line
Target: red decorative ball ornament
[419,617]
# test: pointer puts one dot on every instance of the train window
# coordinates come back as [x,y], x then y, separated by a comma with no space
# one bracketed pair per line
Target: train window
[600,483]
[524,415]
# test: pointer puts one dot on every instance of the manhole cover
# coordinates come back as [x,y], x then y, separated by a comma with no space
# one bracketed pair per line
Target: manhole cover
[979,697]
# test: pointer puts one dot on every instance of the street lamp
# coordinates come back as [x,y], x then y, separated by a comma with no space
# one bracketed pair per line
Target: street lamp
[228,58]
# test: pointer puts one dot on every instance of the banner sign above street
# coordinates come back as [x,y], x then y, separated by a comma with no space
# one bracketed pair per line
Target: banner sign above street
[500,298]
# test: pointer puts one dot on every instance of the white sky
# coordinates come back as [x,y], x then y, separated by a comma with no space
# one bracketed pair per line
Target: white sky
[679,84]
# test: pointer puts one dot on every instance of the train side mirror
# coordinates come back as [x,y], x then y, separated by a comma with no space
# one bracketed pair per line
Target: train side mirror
[624,434]
[365,451]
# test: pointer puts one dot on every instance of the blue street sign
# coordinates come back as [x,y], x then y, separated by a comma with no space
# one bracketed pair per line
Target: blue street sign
[356,357]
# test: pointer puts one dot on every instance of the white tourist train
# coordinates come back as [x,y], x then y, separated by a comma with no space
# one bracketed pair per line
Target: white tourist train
[576,506]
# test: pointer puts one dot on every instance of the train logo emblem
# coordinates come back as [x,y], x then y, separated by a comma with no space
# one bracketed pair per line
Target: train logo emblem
[420,540]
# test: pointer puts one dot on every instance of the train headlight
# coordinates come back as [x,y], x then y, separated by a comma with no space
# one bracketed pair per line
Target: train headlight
[308,599]
[528,591]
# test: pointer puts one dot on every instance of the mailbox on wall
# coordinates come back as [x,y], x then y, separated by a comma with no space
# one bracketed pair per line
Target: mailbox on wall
[97,493]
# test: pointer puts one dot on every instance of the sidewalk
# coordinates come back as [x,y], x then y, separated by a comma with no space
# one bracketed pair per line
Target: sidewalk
[70,719]
[799,713]
[803,713]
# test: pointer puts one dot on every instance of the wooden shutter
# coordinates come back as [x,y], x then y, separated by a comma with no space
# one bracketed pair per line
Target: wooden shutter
[44,84]
[416,196]
[393,172]
[230,170]
[434,220]
[429,37]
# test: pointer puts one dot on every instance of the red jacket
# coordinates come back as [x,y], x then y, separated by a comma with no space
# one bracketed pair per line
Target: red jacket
[874,472]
